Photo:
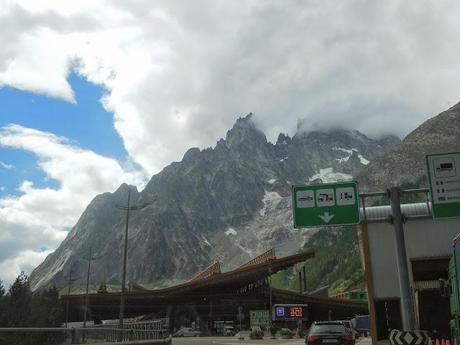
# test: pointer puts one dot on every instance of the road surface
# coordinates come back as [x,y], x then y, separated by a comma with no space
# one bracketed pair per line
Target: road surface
[246,341]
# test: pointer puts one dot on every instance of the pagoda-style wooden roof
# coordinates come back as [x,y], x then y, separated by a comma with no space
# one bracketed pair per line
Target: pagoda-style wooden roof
[212,278]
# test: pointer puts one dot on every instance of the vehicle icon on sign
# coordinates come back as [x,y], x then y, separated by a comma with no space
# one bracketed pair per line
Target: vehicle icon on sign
[325,197]
[346,196]
[305,198]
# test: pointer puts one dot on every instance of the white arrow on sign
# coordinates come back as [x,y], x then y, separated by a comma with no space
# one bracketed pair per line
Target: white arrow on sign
[326,217]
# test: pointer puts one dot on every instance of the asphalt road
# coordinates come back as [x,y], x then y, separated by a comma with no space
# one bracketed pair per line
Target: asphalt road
[234,341]
[246,341]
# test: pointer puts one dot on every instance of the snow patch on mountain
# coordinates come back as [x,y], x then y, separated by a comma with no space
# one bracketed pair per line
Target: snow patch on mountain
[270,200]
[328,175]
[349,152]
[231,231]
[363,160]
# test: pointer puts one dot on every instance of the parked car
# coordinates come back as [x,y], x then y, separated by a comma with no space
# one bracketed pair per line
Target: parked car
[229,331]
[349,325]
[286,333]
[187,332]
[329,333]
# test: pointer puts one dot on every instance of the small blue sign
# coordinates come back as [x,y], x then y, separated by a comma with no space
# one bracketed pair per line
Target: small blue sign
[280,311]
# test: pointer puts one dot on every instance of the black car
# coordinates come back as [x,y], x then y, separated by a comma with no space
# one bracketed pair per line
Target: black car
[329,333]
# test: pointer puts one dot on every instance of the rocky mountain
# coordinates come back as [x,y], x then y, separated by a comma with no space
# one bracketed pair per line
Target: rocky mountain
[226,203]
[405,163]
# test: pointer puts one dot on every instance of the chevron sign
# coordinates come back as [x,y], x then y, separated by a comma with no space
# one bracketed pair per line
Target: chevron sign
[409,337]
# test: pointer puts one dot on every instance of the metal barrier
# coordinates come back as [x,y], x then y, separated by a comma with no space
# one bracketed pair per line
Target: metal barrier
[148,332]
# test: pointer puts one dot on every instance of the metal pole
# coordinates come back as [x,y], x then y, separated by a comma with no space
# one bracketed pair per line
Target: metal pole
[125,256]
[407,307]
[87,287]
[69,281]
[304,278]
[86,294]
[67,302]
[300,282]
[270,287]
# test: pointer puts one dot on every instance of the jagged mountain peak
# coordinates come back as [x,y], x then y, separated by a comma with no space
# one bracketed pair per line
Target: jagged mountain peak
[244,131]
[197,200]
[283,139]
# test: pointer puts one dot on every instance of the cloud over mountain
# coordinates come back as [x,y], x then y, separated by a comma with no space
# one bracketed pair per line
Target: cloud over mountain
[177,73]
[36,221]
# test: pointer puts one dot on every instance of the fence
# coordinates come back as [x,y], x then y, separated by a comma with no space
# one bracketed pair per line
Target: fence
[148,332]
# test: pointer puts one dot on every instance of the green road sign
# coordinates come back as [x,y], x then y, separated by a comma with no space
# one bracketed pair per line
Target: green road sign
[444,177]
[259,318]
[325,204]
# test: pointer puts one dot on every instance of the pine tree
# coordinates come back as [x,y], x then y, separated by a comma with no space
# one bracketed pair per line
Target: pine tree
[18,308]
[47,312]
[2,305]
[2,289]
[20,298]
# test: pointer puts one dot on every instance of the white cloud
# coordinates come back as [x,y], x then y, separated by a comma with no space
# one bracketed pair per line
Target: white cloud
[24,261]
[178,75]
[39,216]
[6,166]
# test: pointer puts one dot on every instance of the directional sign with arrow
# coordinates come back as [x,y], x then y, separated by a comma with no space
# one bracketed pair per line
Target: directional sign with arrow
[325,204]
[408,337]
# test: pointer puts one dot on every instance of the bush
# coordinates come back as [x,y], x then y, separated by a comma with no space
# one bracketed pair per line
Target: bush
[286,333]
[256,335]
[273,330]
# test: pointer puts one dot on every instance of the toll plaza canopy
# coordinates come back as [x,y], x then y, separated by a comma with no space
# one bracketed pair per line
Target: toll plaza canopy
[213,296]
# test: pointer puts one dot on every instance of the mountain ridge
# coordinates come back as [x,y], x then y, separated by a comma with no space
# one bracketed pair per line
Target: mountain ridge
[226,203]
[438,134]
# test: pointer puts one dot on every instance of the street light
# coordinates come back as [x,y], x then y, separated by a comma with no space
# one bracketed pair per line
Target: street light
[89,258]
[69,280]
[125,253]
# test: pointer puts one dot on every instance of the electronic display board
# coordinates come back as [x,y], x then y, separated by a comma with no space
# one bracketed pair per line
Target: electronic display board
[286,312]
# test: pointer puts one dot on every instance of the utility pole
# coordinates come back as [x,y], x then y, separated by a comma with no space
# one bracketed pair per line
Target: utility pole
[89,258]
[125,254]
[304,278]
[407,306]
[270,287]
[69,282]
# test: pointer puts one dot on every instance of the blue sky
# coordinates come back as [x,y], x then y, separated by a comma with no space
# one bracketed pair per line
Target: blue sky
[86,123]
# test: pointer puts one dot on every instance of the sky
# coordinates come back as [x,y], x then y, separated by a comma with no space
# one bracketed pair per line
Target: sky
[97,93]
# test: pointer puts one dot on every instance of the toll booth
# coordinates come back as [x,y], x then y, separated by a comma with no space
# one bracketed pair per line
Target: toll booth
[428,247]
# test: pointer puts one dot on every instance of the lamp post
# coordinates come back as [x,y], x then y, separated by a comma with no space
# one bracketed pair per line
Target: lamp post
[127,208]
[89,258]
[69,280]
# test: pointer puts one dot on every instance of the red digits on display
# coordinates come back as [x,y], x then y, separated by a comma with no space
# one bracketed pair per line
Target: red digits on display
[295,312]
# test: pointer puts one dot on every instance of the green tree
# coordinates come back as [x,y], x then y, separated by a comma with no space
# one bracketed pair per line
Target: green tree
[2,289]
[19,304]
[22,308]
[2,305]
[18,309]
[47,312]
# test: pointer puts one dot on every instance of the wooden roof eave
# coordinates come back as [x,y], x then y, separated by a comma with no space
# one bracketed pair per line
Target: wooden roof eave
[240,276]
